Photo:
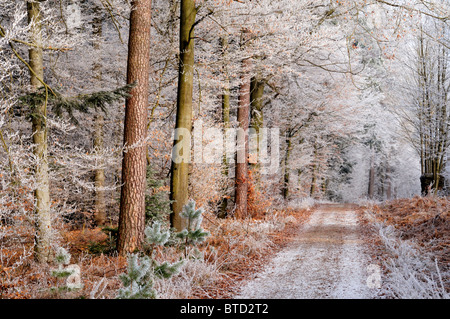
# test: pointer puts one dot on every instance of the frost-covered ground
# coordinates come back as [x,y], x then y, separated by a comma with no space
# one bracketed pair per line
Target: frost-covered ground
[327,260]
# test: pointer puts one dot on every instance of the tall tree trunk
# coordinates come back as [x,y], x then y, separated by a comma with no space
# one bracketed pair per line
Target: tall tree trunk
[243,114]
[314,172]
[257,122]
[371,187]
[257,118]
[134,164]
[226,124]
[179,179]
[43,251]
[388,182]
[286,166]
[99,177]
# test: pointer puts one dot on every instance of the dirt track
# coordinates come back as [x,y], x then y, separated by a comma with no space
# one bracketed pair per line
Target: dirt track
[327,260]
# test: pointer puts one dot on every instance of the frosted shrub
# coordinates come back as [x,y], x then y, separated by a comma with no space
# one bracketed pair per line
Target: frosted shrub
[412,274]
[302,203]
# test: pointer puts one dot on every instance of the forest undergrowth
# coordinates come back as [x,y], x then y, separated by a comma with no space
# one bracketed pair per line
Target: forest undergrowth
[212,269]
[412,246]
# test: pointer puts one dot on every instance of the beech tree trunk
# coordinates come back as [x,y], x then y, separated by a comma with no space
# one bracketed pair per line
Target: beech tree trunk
[243,114]
[179,178]
[315,169]
[286,179]
[43,251]
[371,187]
[99,177]
[134,164]
[226,124]
[388,182]
[257,119]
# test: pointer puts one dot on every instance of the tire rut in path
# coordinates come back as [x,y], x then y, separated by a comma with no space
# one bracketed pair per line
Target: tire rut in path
[326,260]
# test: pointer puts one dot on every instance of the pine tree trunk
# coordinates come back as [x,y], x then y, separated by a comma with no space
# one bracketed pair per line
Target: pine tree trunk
[43,251]
[179,179]
[243,114]
[134,164]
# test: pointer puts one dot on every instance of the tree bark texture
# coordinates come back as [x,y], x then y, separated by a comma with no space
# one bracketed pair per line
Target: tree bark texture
[179,178]
[243,118]
[432,112]
[134,164]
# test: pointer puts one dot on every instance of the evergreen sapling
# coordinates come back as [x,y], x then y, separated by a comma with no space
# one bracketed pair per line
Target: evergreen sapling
[62,257]
[138,281]
[193,234]
[142,271]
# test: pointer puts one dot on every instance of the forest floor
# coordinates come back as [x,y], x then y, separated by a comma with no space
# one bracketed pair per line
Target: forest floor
[321,251]
[327,259]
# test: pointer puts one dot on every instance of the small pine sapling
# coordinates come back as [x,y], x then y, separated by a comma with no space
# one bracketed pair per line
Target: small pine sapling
[62,257]
[155,236]
[142,271]
[138,281]
[193,234]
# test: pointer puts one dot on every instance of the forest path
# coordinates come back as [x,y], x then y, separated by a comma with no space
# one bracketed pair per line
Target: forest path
[326,260]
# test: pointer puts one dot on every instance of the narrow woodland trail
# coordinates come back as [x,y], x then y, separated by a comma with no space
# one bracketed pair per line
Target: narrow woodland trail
[326,260]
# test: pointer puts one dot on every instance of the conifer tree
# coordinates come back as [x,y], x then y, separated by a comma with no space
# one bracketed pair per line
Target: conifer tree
[142,271]
[134,164]
[193,234]
[138,281]
[62,257]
